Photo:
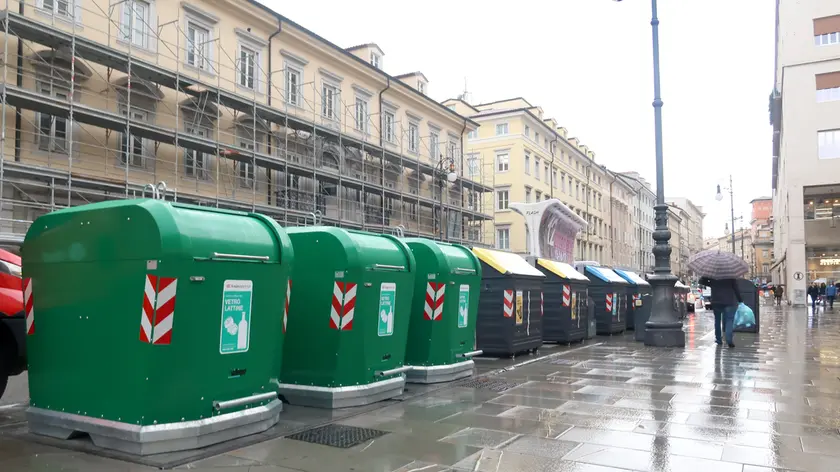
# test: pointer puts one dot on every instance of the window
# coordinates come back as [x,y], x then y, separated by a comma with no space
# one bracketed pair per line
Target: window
[502,199]
[472,165]
[246,174]
[413,137]
[527,163]
[502,162]
[52,130]
[421,87]
[388,126]
[554,178]
[195,163]
[135,21]
[451,148]
[539,194]
[198,46]
[827,39]
[765,253]
[545,142]
[375,60]
[131,147]
[292,86]
[58,7]
[563,182]
[537,168]
[828,95]
[502,238]
[545,168]
[527,194]
[828,143]
[577,191]
[501,129]
[247,73]
[434,146]
[329,101]
[527,131]
[472,134]
[361,114]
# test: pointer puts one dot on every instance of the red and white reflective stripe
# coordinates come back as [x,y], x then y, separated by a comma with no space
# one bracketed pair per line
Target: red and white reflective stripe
[343,306]
[609,302]
[433,308]
[165,310]
[148,314]
[28,302]
[286,310]
[567,295]
[508,304]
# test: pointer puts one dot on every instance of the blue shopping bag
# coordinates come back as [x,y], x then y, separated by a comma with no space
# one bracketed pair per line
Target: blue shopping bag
[744,317]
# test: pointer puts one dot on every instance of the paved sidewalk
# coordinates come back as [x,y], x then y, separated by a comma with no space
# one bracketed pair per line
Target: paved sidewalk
[771,404]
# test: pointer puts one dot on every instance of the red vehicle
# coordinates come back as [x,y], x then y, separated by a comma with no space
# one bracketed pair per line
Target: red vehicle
[12,322]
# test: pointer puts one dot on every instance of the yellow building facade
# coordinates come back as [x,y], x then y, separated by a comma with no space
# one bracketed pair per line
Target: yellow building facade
[533,158]
[231,105]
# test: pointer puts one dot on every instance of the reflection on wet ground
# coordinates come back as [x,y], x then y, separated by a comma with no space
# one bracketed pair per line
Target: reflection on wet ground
[772,404]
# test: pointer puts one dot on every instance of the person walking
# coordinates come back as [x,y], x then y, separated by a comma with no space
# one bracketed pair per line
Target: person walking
[814,293]
[822,294]
[830,294]
[778,291]
[725,300]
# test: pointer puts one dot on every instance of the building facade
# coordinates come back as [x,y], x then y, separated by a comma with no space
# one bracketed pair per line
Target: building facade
[761,231]
[643,217]
[694,234]
[805,115]
[674,225]
[230,105]
[623,239]
[532,158]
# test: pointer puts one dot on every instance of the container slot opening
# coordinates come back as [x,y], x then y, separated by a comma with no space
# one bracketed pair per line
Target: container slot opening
[237,373]
[386,357]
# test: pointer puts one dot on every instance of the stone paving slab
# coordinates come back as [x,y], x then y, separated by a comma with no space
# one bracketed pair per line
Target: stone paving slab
[772,404]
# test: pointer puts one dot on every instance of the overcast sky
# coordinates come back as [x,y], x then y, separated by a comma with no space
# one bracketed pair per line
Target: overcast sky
[588,63]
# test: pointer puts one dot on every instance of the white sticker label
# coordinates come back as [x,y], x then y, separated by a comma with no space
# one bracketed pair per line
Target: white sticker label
[235,334]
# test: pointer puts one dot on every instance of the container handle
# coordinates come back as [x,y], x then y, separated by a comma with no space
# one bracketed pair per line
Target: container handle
[398,370]
[462,270]
[471,353]
[220,255]
[388,267]
[224,405]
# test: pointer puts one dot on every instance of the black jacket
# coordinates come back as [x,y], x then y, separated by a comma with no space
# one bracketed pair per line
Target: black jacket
[724,291]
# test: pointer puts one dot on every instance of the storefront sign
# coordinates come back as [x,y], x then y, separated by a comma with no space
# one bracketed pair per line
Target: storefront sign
[829,262]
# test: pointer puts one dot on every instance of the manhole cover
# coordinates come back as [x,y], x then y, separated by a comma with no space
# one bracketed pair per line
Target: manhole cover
[337,435]
[487,383]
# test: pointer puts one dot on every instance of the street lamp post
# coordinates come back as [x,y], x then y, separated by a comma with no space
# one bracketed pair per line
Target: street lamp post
[664,328]
[719,197]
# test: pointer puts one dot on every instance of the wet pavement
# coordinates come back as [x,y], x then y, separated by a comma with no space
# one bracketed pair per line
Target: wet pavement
[771,404]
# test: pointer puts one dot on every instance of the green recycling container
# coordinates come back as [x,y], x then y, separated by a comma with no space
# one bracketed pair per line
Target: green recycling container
[143,330]
[441,334]
[348,318]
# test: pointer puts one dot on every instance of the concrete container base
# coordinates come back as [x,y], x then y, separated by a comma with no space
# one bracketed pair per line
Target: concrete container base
[159,438]
[342,397]
[440,373]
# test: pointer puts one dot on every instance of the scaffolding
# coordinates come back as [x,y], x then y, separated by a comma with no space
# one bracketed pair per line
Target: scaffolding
[97,117]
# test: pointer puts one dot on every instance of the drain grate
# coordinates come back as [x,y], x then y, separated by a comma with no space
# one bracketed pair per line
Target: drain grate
[487,383]
[337,435]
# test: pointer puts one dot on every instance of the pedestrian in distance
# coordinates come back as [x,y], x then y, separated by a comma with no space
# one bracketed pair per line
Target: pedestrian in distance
[814,293]
[822,293]
[725,300]
[830,294]
[778,291]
